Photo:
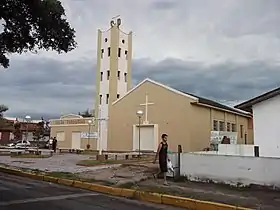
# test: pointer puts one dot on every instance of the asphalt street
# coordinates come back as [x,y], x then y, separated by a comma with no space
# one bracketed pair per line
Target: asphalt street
[19,193]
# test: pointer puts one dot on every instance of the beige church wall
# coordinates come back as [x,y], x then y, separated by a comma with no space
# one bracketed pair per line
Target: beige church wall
[170,111]
[202,124]
[200,127]
[67,143]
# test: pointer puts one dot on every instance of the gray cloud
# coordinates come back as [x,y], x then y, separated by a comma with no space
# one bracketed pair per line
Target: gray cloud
[223,50]
[50,87]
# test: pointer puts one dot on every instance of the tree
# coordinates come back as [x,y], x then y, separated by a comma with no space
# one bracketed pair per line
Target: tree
[3,122]
[86,113]
[3,109]
[34,25]
[17,131]
[39,131]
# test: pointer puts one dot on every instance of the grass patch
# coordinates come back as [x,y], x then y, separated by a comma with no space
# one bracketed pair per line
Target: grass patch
[29,156]
[98,162]
[63,175]
[91,162]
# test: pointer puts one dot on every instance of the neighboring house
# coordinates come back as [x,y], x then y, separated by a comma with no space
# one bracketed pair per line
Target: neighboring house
[25,127]
[266,115]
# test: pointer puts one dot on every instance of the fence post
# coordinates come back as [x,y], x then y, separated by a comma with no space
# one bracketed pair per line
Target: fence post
[179,160]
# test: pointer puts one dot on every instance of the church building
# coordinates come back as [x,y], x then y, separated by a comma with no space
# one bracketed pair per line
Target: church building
[128,118]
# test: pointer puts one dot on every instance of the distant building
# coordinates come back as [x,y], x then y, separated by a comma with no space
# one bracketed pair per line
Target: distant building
[26,128]
[266,115]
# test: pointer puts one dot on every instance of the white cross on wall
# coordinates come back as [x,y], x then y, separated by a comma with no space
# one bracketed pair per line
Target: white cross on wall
[146,104]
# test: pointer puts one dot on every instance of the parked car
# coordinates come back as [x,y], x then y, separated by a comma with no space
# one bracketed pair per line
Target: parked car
[20,144]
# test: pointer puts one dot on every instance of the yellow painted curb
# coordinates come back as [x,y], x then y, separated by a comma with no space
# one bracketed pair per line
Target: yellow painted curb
[10,171]
[106,189]
[148,197]
[83,185]
[50,179]
[66,182]
[188,203]
[179,201]
[32,175]
[128,193]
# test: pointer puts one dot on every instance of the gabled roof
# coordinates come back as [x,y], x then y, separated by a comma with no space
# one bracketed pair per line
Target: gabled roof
[247,105]
[158,84]
[197,100]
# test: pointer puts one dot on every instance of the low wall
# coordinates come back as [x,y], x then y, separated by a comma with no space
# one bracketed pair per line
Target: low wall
[234,170]
[232,149]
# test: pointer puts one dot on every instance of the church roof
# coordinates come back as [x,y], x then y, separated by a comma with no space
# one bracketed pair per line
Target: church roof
[198,100]
[247,105]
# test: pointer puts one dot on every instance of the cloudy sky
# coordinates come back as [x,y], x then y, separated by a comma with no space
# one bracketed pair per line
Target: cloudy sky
[224,50]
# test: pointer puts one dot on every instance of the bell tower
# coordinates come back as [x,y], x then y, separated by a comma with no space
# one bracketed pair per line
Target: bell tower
[113,74]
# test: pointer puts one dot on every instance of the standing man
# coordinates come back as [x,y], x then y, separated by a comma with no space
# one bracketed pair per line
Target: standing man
[54,144]
[162,157]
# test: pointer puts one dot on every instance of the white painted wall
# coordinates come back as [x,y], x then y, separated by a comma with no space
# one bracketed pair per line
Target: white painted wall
[122,64]
[232,149]
[266,116]
[231,169]
[105,83]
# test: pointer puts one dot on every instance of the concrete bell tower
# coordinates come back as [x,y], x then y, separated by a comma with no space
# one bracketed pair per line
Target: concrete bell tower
[113,74]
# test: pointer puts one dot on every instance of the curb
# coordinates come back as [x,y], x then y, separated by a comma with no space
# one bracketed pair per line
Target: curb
[182,202]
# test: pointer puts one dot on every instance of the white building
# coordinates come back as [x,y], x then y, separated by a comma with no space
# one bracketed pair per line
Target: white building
[113,74]
[266,122]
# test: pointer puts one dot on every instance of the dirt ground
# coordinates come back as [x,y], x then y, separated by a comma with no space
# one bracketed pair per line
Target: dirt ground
[141,178]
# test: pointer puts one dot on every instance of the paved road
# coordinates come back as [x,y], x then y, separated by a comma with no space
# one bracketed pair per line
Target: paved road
[18,193]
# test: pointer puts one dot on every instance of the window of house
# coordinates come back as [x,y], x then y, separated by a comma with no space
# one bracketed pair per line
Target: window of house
[125,52]
[215,125]
[106,39]
[101,76]
[228,127]
[118,96]
[221,126]
[125,77]
[108,74]
[233,127]
[119,53]
[123,41]
[241,131]
[119,75]
[100,99]
[102,52]
[109,51]
[107,98]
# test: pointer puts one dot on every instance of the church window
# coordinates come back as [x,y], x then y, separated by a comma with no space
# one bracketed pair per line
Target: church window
[119,75]
[233,127]
[101,76]
[118,96]
[241,131]
[106,39]
[108,74]
[102,52]
[107,98]
[125,52]
[123,41]
[109,51]
[100,99]
[221,126]
[215,125]
[119,53]
[125,77]
[228,127]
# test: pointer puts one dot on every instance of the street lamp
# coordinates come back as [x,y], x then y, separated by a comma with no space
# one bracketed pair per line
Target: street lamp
[28,119]
[139,113]
[89,125]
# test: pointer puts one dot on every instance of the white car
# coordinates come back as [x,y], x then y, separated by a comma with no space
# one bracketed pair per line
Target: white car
[20,144]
